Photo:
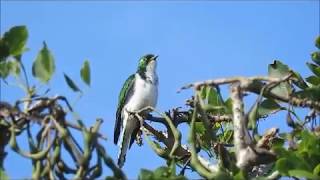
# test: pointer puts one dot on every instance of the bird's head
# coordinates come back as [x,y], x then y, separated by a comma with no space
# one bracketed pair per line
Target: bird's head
[147,63]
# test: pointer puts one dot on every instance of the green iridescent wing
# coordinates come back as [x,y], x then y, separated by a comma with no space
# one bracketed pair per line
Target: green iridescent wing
[125,93]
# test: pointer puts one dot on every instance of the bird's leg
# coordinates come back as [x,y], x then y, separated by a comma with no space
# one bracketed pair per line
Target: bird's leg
[139,133]
[140,116]
[137,116]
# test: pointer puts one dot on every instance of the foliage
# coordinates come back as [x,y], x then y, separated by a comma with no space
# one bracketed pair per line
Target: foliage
[43,67]
[218,127]
[49,113]
[303,160]
[162,172]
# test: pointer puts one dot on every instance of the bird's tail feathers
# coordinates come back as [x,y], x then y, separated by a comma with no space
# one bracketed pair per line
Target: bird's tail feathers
[123,147]
[125,139]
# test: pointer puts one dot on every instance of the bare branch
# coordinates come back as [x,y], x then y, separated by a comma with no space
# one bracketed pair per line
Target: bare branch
[184,119]
[247,155]
[244,81]
[241,135]
[255,84]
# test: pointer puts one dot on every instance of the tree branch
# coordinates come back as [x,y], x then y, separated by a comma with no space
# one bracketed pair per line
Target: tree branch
[255,84]
[247,154]
[244,81]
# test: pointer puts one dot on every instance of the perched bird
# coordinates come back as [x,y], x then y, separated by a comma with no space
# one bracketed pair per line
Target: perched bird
[139,91]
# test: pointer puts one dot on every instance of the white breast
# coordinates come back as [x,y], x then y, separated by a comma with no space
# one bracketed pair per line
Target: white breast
[145,94]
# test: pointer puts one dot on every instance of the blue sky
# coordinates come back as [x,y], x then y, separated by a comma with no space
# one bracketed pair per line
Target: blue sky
[194,41]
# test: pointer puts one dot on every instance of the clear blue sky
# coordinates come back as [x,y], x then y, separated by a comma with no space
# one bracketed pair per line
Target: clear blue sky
[194,41]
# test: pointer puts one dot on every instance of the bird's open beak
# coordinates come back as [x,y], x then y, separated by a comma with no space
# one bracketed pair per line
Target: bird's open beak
[155,57]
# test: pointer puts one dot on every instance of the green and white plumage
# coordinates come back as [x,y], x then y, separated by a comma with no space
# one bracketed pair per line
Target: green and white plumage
[140,90]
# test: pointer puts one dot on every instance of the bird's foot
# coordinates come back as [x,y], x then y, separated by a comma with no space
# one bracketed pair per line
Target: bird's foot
[139,138]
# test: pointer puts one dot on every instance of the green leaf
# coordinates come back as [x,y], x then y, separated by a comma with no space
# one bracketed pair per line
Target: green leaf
[16,39]
[180,177]
[253,116]
[172,167]
[111,178]
[315,56]
[280,70]
[228,105]
[223,175]
[162,172]
[3,174]
[71,84]
[4,69]
[85,72]
[283,89]
[310,143]
[14,68]
[289,160]
[298,81]
[4,50]
[278,142]
[316,170]
[314,68]
[240,175]
[43,67]
[214,100]
[317,43]
[199,128]
[228,136]
[145,174]
[314,80]
[200,131]
[261,178]
[312,93]
[203,92]
[280,151]
[268,106]
[9,67]
[283,165]
[301,174]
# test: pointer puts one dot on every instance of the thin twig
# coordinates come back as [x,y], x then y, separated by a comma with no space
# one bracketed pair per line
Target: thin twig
[195,163]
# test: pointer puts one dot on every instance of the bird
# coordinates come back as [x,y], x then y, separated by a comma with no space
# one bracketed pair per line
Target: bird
[139,91]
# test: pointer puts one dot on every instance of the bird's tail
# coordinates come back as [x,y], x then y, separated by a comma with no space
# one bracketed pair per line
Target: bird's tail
[123,146]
